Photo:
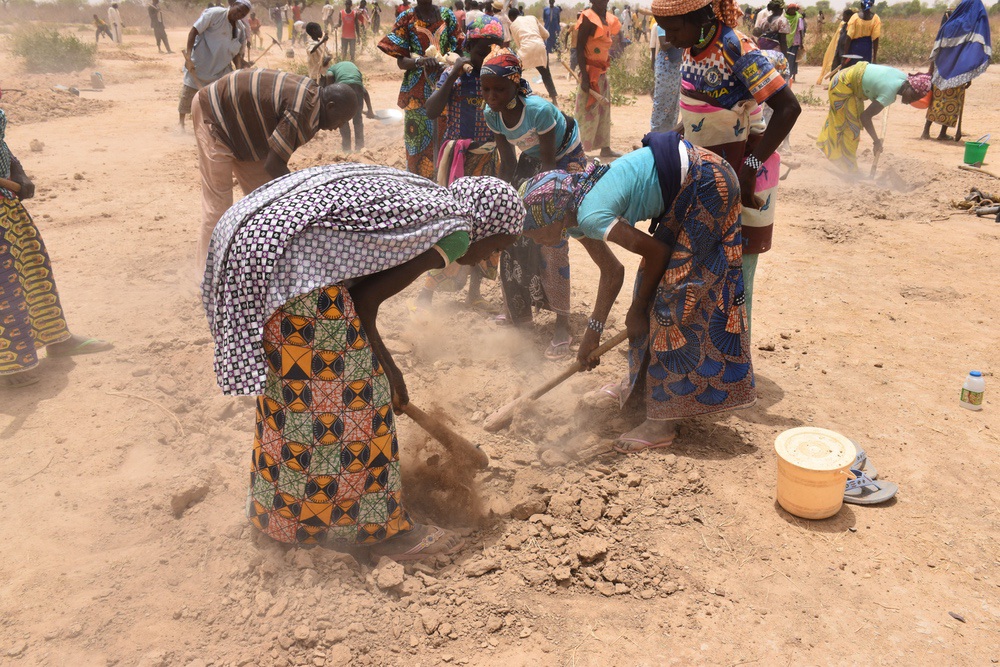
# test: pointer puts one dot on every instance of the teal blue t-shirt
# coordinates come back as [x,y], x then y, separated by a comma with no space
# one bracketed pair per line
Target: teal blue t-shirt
[881,83]
[538,117]
[630,190]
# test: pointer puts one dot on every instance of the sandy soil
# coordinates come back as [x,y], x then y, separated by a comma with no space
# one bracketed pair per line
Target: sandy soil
[124,540]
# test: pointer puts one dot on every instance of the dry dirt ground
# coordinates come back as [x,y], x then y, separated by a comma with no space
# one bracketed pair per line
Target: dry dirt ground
[123,536]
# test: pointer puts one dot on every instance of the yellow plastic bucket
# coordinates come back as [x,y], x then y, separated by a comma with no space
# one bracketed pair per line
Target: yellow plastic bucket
[812,471]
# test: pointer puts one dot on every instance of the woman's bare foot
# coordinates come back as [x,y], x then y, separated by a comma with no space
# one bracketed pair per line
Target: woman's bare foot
[424,541]
[607,152]
[651,434]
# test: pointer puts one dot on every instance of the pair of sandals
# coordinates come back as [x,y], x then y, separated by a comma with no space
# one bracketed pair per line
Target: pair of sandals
[863,488]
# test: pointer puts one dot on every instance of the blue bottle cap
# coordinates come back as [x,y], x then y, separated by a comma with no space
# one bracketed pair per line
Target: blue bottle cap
[975,374]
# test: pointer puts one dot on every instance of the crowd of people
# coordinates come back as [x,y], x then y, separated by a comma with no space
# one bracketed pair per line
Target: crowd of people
[498,183]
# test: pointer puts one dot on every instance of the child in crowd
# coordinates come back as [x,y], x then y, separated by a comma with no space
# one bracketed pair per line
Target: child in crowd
[348,26]
[102,29]
[317,54]
[255,36]
[348,73]
[549,140]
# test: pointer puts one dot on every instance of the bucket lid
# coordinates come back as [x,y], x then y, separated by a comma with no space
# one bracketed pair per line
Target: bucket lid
[815,448]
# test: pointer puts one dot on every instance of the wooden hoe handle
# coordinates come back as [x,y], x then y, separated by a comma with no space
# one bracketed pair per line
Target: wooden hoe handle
[501,418]
[452,441]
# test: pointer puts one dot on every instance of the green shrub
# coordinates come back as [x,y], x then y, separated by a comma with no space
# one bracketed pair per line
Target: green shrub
[45,50]
[631,73]
[808,98]
[905,40]
[908,41]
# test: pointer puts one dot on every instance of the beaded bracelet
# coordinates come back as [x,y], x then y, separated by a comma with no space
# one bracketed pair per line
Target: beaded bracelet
[595,325]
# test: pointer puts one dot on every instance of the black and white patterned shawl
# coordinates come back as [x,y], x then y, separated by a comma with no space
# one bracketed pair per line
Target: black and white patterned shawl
[321,226]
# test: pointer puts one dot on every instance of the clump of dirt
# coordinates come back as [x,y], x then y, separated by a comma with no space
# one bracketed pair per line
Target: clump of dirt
[37,105]
[441,486]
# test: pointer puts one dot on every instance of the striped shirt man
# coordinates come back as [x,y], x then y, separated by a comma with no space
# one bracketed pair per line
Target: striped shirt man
[255,111]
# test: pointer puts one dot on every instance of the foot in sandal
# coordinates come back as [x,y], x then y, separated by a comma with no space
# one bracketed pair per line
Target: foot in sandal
[559,350]
[651,434]
[77,344]
[607,396]
[423,541]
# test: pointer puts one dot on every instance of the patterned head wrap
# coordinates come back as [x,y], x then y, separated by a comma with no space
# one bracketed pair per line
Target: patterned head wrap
[550,195]
[920,82]
[245,3]
[867,4]
[485,27]
[726,11]
[505,64]
[494,206]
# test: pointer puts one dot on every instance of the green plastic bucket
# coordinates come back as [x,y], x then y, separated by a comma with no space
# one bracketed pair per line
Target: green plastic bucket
[975,152]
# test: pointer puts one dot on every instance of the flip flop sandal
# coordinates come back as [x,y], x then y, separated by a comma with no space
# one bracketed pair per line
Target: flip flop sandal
[597,398]
[419,551]
[646,445]
[862,463]
[612,389]
[863,490]
[89,346]
[558,351]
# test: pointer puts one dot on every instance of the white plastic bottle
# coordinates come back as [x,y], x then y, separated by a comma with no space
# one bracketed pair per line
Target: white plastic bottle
[972,391]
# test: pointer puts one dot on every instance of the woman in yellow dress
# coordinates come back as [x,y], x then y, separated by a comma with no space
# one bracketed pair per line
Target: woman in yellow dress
[863,31]
[849,90]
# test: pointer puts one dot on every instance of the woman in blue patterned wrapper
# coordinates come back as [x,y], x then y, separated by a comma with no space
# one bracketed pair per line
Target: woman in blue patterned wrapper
[962,51]
[689,347]
[31,315]
[296,274]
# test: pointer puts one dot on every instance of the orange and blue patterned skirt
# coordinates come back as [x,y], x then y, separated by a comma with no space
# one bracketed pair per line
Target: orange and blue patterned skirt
[325,465]
[696,357]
